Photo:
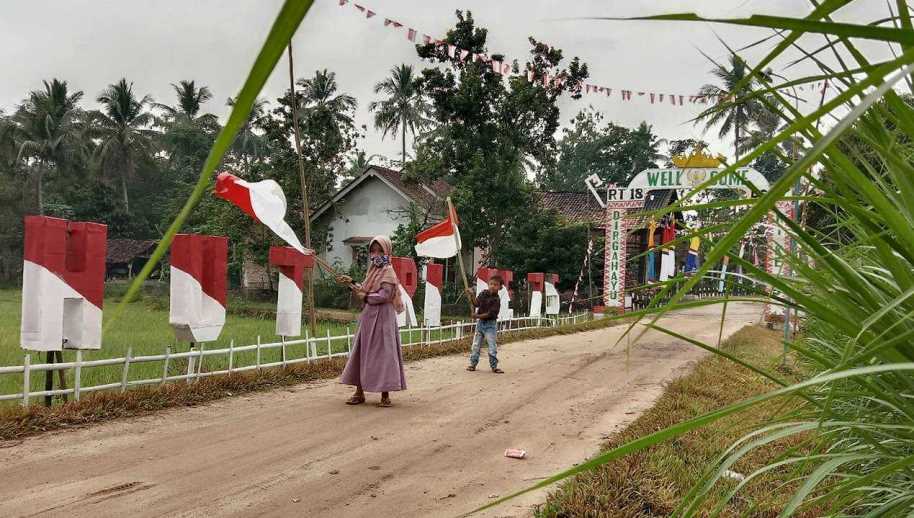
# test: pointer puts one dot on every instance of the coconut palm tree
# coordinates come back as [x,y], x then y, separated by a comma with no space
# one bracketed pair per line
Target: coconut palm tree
[190,102]
[318,97]
[738,113]
[187,131]
[248,145]
[122,125]
[404,107]
[47,129]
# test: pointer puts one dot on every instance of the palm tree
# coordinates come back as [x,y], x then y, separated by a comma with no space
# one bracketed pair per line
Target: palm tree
[190,102]
[739,113]
[122,126]
[187,132]
[318,97]
[404,108]
[47,127]
[248,145]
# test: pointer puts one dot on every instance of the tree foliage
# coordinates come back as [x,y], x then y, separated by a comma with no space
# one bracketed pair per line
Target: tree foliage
[591,146]
[489,129]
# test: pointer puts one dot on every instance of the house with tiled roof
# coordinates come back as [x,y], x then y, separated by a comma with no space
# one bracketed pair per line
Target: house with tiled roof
[125,257]
[375,202]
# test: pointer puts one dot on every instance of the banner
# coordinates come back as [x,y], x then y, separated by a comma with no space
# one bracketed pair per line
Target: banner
[503,67]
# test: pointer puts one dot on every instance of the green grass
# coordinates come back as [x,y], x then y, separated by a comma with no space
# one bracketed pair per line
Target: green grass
[144,329]
[653,482]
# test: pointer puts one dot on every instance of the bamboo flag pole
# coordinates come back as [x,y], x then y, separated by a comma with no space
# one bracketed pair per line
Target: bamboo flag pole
[306,210]
[463,274]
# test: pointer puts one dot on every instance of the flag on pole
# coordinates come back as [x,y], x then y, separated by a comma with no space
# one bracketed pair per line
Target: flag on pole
[263,201]
[441,240]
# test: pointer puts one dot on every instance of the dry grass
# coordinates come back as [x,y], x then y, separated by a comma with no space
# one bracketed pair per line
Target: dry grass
[653,482]
[19,422]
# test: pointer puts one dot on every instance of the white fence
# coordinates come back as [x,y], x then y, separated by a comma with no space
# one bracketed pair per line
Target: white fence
[314,348]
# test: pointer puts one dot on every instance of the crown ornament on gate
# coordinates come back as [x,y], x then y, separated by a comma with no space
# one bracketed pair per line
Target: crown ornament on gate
[699,159]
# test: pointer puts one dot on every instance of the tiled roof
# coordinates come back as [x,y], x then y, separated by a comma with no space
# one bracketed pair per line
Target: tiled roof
[573,207]
[418,192]
[430,195]
[125,250]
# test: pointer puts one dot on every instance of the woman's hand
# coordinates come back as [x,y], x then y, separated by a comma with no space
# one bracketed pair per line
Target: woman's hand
[344,280]
[360,294]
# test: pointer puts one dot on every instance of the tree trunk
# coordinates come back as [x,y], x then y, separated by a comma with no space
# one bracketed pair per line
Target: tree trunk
[40,188]
[124,192]
[403,135]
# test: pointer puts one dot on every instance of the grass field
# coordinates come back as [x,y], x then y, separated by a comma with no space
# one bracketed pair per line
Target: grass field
[144,329]
[654,481]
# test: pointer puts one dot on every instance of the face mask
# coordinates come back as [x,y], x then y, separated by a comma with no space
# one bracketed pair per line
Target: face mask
[379,261]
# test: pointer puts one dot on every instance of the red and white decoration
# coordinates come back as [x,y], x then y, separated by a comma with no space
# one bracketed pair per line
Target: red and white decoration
[434,285]
[553,304]
[63,284]
[504,68]
[198,275]
[536,282]
[291,265]
[778,247]
[407,274]
[441,240]
[504,295]
[264,201]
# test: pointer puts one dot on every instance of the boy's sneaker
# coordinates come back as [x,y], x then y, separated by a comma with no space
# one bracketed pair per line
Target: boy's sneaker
[496,370]
[471,368]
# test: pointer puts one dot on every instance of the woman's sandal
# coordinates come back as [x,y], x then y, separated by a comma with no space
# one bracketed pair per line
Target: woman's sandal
[385,403]
[355,400]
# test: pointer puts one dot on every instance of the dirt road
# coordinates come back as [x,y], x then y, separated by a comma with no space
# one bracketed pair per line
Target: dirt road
[301,452]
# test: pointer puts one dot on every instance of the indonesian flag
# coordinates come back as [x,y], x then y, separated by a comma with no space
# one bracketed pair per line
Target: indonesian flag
[441,240]
[263,201]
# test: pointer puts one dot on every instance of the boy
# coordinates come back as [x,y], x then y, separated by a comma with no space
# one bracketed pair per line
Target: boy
[487,306]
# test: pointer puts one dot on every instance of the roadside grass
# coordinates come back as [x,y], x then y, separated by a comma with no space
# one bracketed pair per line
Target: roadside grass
[654,481]
[144,329]
[17,422]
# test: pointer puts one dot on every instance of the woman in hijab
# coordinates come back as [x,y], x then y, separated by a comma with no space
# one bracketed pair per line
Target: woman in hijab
[376,362]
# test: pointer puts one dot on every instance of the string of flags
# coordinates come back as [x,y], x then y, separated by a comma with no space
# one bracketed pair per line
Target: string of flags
[505,68]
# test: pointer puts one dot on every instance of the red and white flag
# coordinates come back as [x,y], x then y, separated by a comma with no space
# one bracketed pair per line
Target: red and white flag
[263,201]
[441,240]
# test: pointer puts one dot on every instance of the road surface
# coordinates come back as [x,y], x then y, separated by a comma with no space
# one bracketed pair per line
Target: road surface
[302,452]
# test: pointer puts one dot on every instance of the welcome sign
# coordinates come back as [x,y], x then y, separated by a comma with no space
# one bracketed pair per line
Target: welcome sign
[617,200]
[676,178]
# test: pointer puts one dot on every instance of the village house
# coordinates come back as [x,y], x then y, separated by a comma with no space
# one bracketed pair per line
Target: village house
[375,202]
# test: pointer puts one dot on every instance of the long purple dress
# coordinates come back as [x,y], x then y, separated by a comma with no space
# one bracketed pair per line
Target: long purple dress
[376,360]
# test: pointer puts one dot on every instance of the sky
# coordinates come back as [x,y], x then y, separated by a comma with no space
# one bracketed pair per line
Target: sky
[92,43]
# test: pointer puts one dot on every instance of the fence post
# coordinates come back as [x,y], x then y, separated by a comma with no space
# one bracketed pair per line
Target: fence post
[165,368]
[26,379]
[282,340]
[231,355]
[190,365]
[258,352]
[329,351]
[200,363]
[307,346]
[126,369]
[77,374]
[348,341]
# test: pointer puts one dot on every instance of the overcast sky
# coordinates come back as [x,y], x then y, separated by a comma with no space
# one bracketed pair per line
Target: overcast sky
[91,43]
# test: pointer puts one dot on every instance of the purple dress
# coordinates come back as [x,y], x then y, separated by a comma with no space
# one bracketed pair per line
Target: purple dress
[376,360]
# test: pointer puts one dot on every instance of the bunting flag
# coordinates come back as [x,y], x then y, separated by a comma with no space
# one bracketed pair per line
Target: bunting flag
[503,67]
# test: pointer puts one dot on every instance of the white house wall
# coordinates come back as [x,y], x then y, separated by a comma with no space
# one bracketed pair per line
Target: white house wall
[372,208]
